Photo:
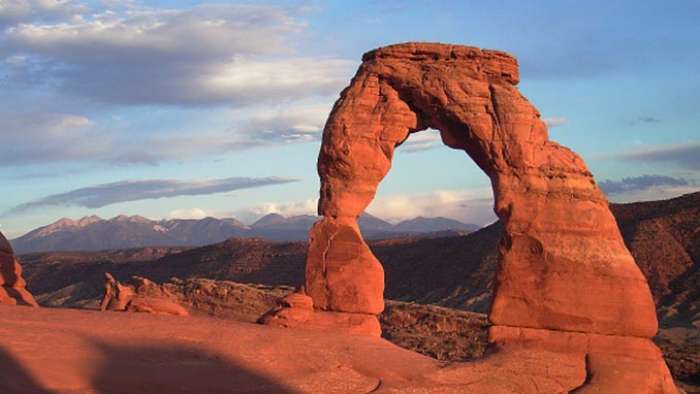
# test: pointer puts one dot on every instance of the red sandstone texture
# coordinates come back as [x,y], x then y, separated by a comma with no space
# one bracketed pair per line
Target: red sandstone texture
[73,351]
[12,286]
[142,295]
[565,273]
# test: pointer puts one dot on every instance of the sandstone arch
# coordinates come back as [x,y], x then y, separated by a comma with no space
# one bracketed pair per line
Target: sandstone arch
[566,280]
[564,264]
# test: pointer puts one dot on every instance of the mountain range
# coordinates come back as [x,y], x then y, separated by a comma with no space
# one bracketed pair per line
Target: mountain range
[93,233]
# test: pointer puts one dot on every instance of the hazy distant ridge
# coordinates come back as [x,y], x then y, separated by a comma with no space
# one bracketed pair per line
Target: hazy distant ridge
[94,233]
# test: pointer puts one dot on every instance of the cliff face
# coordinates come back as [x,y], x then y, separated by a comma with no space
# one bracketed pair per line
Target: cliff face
[664,238]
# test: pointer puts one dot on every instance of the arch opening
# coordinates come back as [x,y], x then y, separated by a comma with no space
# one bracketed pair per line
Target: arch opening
[449,267]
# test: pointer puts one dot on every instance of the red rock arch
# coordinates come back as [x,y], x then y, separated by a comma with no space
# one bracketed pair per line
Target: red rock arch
[567,289]
[564,265]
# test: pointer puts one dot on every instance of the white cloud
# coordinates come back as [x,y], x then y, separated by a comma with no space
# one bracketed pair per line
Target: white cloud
[288,123]
[555,121]
[188,213]
[233,56]
[210,54]
[469,206]
[16,11]
[57,137]
[36,137]
[295,208]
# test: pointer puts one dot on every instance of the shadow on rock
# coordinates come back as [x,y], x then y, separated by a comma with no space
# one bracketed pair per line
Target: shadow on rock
[175,368]
[14,379]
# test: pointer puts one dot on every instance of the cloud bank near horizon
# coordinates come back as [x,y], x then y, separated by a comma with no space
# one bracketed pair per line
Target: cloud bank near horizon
[686,156]
[112,193]
[469,206]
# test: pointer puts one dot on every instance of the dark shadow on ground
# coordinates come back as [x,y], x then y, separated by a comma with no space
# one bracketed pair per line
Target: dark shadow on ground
[174,368]
[14,379]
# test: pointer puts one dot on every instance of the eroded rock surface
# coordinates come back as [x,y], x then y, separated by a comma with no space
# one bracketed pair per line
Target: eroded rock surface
[141,295]
[12,286]
[565,276]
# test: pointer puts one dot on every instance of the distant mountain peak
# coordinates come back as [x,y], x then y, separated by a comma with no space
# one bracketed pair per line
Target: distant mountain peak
[59,225]
[131,219]
[88,220]
[269,220]
[435,224]
[63,222]
[119,218]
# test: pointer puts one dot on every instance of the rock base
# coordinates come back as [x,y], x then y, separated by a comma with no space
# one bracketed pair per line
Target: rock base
[612,363]
[16,296]
[297,311]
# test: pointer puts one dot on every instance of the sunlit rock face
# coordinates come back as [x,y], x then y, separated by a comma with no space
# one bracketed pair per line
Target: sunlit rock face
[566,280]
[564,264]
[12,286]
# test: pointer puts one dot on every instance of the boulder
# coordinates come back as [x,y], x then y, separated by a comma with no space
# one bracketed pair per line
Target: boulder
[141,295]
[12,286]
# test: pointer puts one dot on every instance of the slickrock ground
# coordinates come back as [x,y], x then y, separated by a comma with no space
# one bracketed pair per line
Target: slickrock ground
[443,333]
[450,271]
[78,351]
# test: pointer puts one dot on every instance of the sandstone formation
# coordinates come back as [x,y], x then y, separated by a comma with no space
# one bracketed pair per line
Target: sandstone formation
[142,295]
[566,279]
[12,286]
[297,310]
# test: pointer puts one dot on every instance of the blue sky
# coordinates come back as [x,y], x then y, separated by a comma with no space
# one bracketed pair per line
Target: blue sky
[187,108]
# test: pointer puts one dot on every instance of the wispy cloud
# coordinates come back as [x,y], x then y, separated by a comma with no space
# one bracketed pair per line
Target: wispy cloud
[421,141]
[638,183]
[287,124]
[40,138]
[555,121]
[112,193]
[645,119]
[685,156]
